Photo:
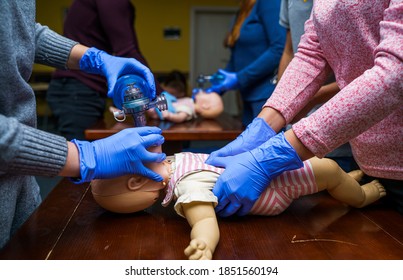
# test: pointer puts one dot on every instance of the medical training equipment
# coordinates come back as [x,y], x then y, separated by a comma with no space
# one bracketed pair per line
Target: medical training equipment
[214,80]
[135,92]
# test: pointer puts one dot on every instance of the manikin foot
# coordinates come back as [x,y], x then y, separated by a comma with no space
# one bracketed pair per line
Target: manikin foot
[373,191]
[356,174]
[197,250]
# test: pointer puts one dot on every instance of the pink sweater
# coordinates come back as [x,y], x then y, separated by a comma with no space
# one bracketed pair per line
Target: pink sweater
[362,42]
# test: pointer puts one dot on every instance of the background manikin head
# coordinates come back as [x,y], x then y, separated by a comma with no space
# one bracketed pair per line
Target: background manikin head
[208,105]
[131,193]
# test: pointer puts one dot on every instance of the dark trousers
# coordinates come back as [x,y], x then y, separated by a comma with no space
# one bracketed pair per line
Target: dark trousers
[250,110]
[75,107]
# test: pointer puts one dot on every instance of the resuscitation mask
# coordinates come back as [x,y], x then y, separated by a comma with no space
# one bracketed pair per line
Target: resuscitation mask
[214,79]
[136,102]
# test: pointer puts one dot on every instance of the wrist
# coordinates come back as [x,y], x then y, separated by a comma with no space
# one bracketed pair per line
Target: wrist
[276,156]
[298,146]
[71,167]
[92,61]
[76,54]
[273,118]
[87,161]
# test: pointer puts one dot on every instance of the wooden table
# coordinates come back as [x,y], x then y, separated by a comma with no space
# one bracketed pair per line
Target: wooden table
[223,128]
[70,225]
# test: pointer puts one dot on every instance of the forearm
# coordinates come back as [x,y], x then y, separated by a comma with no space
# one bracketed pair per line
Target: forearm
[325,93]
[76,53]
[206,230]
[175,117]
[72,166]
[202,218]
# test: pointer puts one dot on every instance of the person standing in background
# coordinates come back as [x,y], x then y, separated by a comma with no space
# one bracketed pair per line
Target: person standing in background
[256,42]
[78,99]
[293,15]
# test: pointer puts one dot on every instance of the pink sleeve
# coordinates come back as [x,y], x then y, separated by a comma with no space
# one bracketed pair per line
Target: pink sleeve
[368,99]
[303,76]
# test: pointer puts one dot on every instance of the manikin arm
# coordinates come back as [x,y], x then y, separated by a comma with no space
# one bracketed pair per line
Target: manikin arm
[175,117]
[205,233]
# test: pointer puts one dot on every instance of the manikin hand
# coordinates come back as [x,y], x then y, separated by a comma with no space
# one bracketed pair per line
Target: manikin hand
[248,174]
[230,82]
[255,134]
[122,153]
[95,61]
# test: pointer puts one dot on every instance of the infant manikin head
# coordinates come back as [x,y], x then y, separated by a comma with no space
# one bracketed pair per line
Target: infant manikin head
[208,105]
[131,193]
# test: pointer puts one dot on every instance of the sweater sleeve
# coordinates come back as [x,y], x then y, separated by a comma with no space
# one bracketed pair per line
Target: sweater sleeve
[52,49]
[29,151]
[302,78]
[367,100]
[268,13]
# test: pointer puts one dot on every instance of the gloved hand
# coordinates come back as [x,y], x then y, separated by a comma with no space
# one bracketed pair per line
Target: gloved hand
[122,153]
[255,134]
[230,82]
[195,91]
[248,174]
[170,99]
[95,61]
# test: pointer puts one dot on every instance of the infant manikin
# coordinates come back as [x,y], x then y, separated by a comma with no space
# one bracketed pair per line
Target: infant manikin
[190,190]
[205,105]
[189,181]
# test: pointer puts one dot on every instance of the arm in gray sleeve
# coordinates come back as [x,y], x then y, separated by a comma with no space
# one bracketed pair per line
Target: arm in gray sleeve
[51,48]
[29,151]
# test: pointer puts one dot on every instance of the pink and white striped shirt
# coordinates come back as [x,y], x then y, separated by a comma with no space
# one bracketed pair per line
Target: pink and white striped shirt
[362,42]
[274,200]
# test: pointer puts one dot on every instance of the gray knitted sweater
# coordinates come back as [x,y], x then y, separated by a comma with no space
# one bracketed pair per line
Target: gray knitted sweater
[24,150]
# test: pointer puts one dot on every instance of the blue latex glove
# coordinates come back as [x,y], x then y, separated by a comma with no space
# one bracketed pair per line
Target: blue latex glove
[195,91]
[230,82]
[248,174]
[111,67]
[255,134]
[170,99]
[122,153]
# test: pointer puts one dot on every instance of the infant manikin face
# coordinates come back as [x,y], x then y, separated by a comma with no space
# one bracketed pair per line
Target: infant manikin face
[208,105]
[131,193]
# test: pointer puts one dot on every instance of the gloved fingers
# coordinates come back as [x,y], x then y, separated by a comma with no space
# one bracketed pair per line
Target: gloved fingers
[211,157]
[216,88]
[222,201]
[195,91]
[153,157]
[151,174]
[244,209]
[223,152]
[111,79]
[222,72]
[218,161]
[147,130]
[153,140]
[229,210]
[136,67]
[151,83]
